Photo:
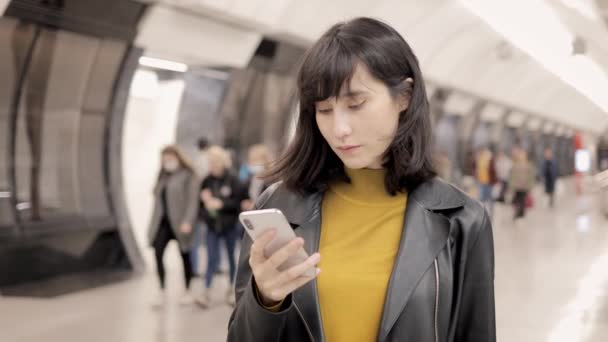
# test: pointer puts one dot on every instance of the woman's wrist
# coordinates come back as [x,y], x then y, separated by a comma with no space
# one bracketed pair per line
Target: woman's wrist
[265,302]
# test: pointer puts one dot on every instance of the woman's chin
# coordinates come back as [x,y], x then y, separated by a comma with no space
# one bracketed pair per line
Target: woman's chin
[354,164]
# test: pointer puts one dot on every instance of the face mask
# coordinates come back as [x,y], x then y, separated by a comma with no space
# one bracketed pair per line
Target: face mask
[170,165]
[256,169]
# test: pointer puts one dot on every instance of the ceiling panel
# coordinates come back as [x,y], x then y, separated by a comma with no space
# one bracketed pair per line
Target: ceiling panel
[456,48]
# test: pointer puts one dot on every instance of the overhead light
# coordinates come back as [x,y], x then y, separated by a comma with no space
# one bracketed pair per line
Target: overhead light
[492,113]
[534,27]
[162,64]
[24,206]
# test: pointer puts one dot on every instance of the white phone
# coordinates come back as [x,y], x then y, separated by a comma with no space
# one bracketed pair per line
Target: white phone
[256,222]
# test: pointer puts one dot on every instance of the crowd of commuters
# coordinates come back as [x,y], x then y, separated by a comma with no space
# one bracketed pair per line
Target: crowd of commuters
[197,203]
[510,180]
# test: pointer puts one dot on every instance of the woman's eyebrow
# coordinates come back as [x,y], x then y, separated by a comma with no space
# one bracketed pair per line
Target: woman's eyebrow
[353,93]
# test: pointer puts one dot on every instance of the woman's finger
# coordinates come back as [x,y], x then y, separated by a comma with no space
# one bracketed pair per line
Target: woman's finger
[296,271]
[257,248]
[281,255]
[299,282]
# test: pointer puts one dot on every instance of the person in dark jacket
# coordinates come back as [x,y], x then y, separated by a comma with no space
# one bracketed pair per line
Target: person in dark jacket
[404,256]
[174,215]
[549,174]
[220,202]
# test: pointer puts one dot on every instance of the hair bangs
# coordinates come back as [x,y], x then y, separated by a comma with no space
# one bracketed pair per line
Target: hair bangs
[326,71]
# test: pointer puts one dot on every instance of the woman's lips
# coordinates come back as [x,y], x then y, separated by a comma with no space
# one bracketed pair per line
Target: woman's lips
[348,148]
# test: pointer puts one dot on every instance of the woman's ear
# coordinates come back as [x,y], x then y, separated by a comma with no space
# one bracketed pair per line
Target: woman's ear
[406,96]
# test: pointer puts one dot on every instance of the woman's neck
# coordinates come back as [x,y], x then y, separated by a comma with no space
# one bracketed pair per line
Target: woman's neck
[366,186]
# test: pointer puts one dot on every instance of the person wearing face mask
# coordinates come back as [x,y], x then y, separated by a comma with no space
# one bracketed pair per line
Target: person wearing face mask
[174,216]
[404,255]
[258,160]
[219,200]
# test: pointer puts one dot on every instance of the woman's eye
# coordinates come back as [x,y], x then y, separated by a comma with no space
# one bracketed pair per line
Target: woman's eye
[356,106]
[324,111]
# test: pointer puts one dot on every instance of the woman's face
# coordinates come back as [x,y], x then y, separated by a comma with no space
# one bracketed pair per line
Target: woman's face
[216,165]
[170,162]
[361,123]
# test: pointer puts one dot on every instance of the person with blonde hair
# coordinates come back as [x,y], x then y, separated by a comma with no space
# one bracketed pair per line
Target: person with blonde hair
[258,161]
[220,202]
[174,214]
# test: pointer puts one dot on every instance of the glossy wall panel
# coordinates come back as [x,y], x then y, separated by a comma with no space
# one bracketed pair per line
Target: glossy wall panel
[61,127]
[9,35]
[58,107]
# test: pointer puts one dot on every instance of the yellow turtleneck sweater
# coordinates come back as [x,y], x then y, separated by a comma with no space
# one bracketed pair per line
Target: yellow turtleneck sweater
[360,233]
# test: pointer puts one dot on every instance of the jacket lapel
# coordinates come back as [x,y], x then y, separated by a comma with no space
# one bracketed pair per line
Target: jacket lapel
[305,217]
[306,298]
[425,233]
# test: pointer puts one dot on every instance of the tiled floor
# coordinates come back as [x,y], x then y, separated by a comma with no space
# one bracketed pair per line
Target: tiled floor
[551,285]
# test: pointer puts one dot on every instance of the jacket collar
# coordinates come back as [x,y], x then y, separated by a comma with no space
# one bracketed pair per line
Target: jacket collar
[425,233]
[433,195]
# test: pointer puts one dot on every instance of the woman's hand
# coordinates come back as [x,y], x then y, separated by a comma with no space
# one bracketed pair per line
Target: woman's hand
[246,205]
[206,195]
[274,285]
[211,203]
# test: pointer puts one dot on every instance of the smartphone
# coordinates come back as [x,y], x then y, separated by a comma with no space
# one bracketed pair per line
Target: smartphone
[256,222]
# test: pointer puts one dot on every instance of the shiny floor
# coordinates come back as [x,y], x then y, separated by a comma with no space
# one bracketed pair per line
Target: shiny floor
[551,285]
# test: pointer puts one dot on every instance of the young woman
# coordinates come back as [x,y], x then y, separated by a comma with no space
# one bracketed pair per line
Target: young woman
[174,214]
[405,256]
[220,198]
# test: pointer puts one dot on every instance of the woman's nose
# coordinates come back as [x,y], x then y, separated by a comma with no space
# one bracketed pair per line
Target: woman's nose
[342,125]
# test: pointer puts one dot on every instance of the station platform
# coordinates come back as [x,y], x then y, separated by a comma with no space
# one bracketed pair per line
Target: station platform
[551,285]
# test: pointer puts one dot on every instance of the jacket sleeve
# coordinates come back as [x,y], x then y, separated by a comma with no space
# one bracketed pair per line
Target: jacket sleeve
[250,321]
[477,317]
[193,186]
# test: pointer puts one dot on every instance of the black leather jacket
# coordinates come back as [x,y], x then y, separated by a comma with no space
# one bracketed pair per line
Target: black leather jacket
[441,287]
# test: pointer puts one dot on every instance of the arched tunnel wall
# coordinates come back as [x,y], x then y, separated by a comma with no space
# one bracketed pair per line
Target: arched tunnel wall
[62,99]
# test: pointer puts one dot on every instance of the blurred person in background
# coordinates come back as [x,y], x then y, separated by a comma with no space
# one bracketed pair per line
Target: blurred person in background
[258,162]
[202,167]
[521,182]
[220,200]
[201,161]
[485,174]
[503,172]
[549,175]
[444,166]
[358,186]
[174,215]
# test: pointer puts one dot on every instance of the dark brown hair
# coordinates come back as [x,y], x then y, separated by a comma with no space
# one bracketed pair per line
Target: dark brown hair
[181,157]
[184,162]
[309,164]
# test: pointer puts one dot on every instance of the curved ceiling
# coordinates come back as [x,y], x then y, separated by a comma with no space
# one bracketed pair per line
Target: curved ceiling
[455,47]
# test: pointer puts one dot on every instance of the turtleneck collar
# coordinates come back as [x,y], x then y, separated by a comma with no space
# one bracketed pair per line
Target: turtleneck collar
[366,186]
